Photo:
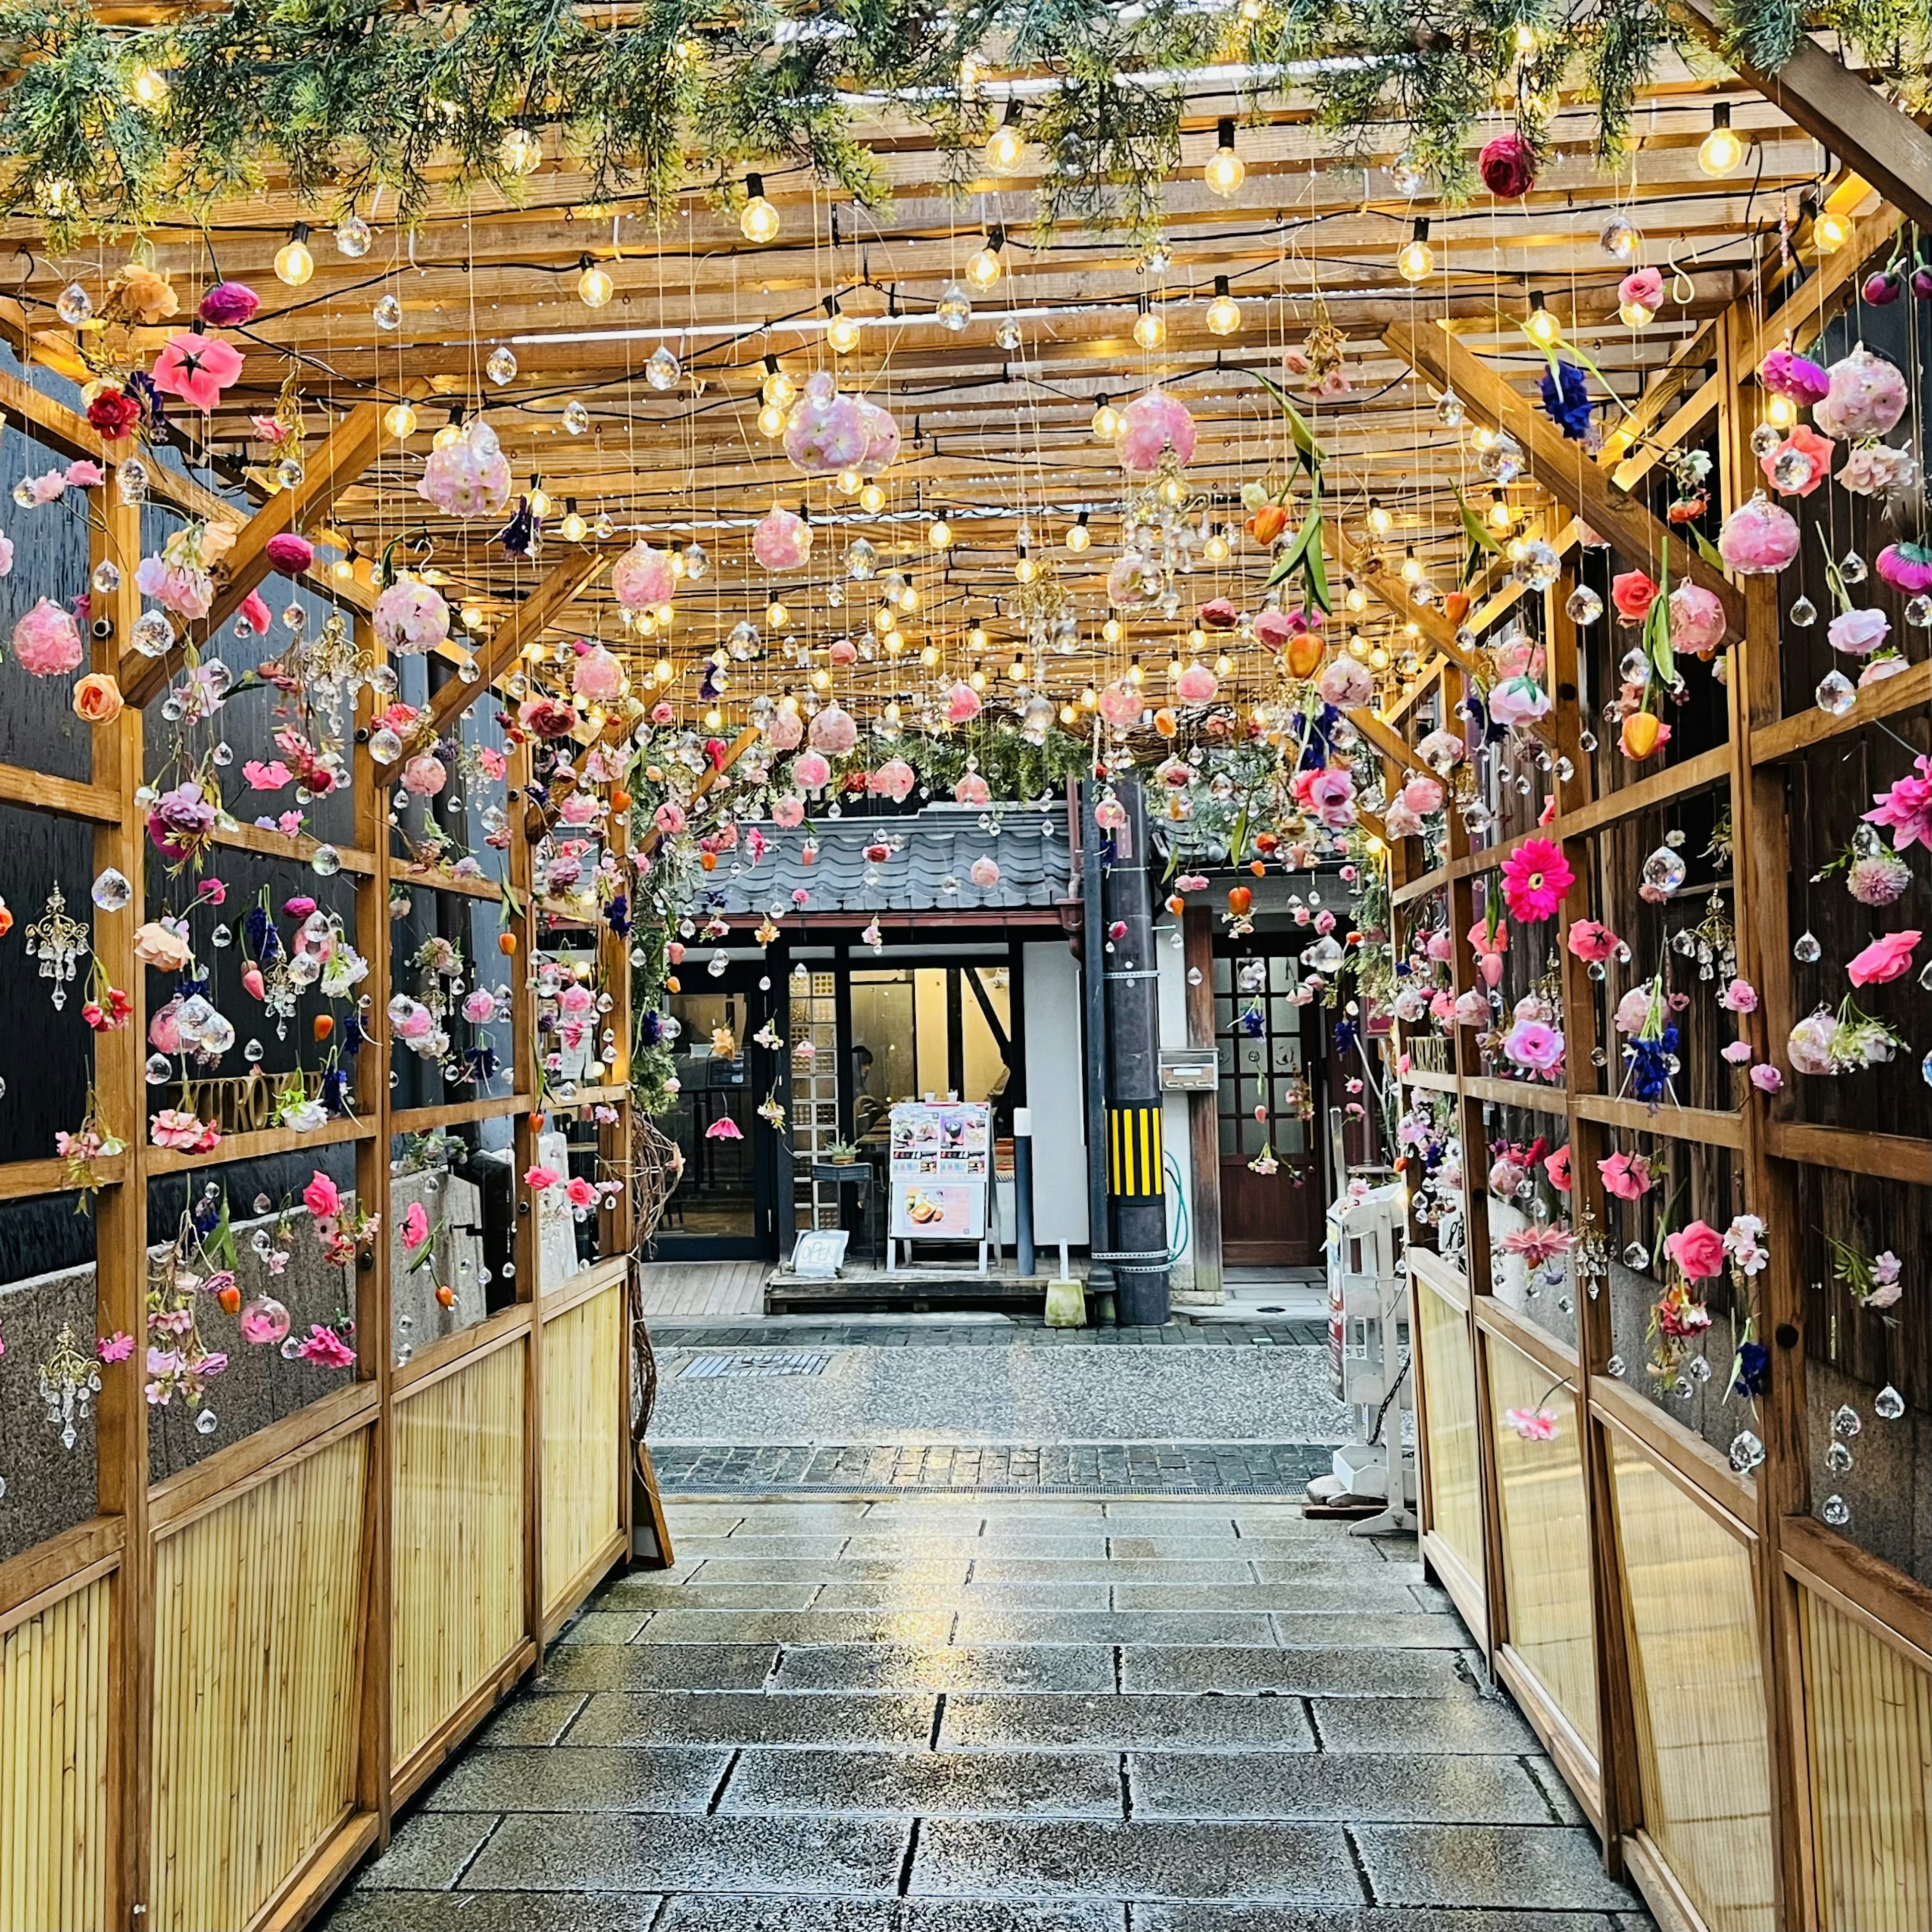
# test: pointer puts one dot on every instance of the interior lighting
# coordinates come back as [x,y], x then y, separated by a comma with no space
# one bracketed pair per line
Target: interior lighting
[983,270]
[1007,148]
[939,533]
[1150,331]
[1540,326]
[841,332]
[1078,536]
[758,220]
[1722,151]
[401,421]
[1417,259]
[294,264]
[1226,170]
[1379,518]
[1106,423]
[1224,313]
[594,285]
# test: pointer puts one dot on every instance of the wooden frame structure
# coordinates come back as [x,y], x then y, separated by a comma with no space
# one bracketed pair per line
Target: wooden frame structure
[220,1687]
[1739,1696]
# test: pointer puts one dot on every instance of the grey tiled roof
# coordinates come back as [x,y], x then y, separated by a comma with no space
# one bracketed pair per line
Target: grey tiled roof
[935,846]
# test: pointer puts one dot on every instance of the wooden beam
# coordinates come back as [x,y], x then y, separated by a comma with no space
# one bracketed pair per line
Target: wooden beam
[529,620]
[740,746]
[1851,118]
[1560,466]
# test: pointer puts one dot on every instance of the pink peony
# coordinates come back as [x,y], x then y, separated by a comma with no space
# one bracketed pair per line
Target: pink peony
[984,874]
[1884,959]
[289,554]
[1536,876]
[1345,681]
[1627,1176]
[1507,165]
[1758,538]
[1151,425]
[1785,373]
[834,731]
[46,640]
[1698,1250]
[669,819]
[781,540]
[468,477]
[1858,633]
[1422,795]
[962,704]
[410,617]
[642,578]
[826,432]
[810,772]
[788,812]
[196,368]
[895,779]
[1906,808]
[424,775]
[1533,1425]
[1196,684]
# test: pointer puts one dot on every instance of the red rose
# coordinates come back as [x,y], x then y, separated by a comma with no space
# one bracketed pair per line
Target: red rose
[1633,593]
[113,414]
[1507,165]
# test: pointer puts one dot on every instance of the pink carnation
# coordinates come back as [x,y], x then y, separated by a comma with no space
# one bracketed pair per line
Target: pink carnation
[1884,959]
[1905,808]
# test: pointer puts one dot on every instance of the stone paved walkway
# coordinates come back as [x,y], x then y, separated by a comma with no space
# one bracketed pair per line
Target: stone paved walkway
[938,1714]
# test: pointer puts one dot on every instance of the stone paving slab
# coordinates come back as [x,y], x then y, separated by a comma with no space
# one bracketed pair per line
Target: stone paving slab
[368,1909]
[1001,1624]
[971,1595]
[947,1784]
[662,1666]
[657,1852]
[1556,1868]
[974,1720]
[1077,1859]
[1011,1333]
[1197,1918]
[583,1780]
[962,1666]
[712,1627]
[645,1591]
[1233,1670]
[883,1721]
[1394,1788]
[1481,1724]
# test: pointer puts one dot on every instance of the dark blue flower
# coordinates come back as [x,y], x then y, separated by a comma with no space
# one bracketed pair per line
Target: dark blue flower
[206,1212]
[519,535]
[1754,1368]
[617,915]
[1566,396]
[335,1090]
[1345,1035]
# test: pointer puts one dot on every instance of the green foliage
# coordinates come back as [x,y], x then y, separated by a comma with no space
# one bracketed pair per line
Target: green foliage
[1016,771]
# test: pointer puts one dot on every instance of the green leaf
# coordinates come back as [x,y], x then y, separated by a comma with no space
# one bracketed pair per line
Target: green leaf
[1480,539]
[1299,432]
[1706,549]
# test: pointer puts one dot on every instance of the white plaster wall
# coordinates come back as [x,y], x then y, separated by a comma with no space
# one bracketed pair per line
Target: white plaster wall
[1173,1124]
[1056,1092]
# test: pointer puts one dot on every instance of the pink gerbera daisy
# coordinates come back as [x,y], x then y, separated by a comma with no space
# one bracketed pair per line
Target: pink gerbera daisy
[1535,876]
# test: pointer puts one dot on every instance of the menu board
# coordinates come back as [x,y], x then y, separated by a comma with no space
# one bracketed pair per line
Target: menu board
[941,1165]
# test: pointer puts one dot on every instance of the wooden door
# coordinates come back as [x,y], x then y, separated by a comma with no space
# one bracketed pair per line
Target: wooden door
[1269,1061]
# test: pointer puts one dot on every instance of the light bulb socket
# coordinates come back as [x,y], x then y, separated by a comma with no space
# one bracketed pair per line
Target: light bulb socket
[996,237]
[1011,118]
[755,188]
[832,308]
[772,366]
[1538,302]
[1220,285]
[1224,132]
[1419,232]
[1081,519]
[299,233]
[1720,115]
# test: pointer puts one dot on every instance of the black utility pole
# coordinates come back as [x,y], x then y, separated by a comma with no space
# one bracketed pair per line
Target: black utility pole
[1093,994]
[1136,1160]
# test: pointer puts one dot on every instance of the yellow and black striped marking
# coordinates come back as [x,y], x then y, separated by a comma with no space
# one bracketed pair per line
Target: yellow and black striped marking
[1133,1150]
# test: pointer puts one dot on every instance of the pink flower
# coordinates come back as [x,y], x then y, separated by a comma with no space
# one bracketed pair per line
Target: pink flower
[269,777]
[540,1177]
[1884,959]
[1801,440]
[322,1197]
[788,812]
[82,475]
[723,1129]
[1590,940]
[492,762]
[1557,1166]
[1737,1052]
[1536,875]
[580,1193]
[114,1348]
[1627,1176]
[324,1348]
[254,612]
[1644,287]
[669,819]
[196,368]
[424,775]
[1533,1425]
[811,772]
[1698,1250]
[229,305]
[1532,1044]
[1906,808]
[176,1127]
[1858,633]
[1785,373]
[1767,1079]
[1740,996]
[46,640]
[985,873]
[1633,593]
[415,1226]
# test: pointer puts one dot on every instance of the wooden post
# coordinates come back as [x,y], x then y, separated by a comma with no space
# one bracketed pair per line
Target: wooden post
[527,822]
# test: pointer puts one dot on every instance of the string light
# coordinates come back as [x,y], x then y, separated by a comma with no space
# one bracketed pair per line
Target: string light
[1078,536]
[983,270]
[294,264]
[1224,313]
[149,87]
[939,533]
[573,529]
[1024,569]
[1500,518]
[1781,412]
[841,332]
[539,498]
[872,498]
[520,151]
[1226,170]
[1113,631]
[1007,148]
[1540,326]
[772,421]
[1356,597]
[776,615]
[1150,331]
[401,421]
[1106,423]
[848,482]
[1379,518]
[1215,550]
[1829,232]
[758,220]
[775,386]
[1722,151]
[1411,568]
[594,285]
[1417,259]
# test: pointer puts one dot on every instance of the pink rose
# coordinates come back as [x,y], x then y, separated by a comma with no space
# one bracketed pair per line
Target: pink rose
[322,1197]
[1627,1176]
[1698,1250]
[1740,996]
[580,1193]
[1884,959]
[1785,373]
[1737,1052]
[1801,440]
[254,612]
[1590,940]
[1633,593]
[415,1226]
[1858,633]
[1767,1079]
[324,1348]
[538,1178]
[1644,287]
[289,554]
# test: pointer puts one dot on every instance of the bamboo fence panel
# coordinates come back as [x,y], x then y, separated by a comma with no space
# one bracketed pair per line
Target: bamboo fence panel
[1455,1498]
[258,1615]
[1697,1686]
[1545,1544]
[54,1849]
[457,1541]
[1868,1725]
[583,1359]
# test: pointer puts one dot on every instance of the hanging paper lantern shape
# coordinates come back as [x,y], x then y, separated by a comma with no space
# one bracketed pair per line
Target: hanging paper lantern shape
[834,731]
[882,436]
[894,779]
[1152,424]
[1120,705]
[1867,397]
[1345,681]
[1507,165]
[962,704]
[784,730]
[1196,684]
[781,540]
[810,772]
[825,432]
[972,789]
[410,617]
[1797,378]
[598,677]
[469,476]
[642,578]
[46,640]
[788,812]
[1759,538]
[1696,619]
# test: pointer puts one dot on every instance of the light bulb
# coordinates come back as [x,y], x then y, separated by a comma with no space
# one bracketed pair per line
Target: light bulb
[1829,233]
[1150,331]
[775,386]
[1379,519]
[520,150]
[1358,598]
[1197,639]
[1781,412]
[1215,550]
[1635,315]
[1089,697]
[978,680]
[772,421]
[401,421]
[1411,569]
[849,482]
[983,270]
[1067,714]
[872,498]
[573,528]
[539,502]
[1016,670]
[714,719]
[776,614]
[939,533]
[665,671]
[1226,170]
[885,620]
[1106,423]
[1224,313]
[929,655]
[841,334]
[975,639]
[450,432]
[1078,536]
[1024,569]
[1223,665]
[1007,148]
[1540,326]
[665,614]
[1378,658]
[149,87]
[1113,631]
[1500,518]
[1135,674]
[1173,669]
[757,220]
[343,568]
[594,285]
[471,615]
[294,264]
[1526,38]
[1417,260]
[1722,151]
[1172,491]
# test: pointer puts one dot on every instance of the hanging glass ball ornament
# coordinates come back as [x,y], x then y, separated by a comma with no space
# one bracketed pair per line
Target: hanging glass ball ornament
[501,366]
[954,309]
[353,237]
[663,368]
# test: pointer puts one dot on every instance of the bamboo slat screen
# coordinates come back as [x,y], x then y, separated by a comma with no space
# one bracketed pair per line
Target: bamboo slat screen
[459,1547]
[580,1394]
[55,1847]
[257,1617]
[1545,1544]
[1455,1492]
[1868,1726]
[1692,1620]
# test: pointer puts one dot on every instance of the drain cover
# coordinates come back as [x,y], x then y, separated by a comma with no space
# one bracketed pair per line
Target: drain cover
[1270,1309]
[764,1364]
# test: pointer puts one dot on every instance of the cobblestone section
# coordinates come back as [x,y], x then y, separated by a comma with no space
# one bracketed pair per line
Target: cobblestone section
[934,1713]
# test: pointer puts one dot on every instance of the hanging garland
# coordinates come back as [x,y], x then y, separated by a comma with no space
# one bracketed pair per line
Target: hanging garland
[108,126]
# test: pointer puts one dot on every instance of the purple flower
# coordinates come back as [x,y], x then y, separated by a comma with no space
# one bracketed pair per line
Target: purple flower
[1566,398]
[229,305]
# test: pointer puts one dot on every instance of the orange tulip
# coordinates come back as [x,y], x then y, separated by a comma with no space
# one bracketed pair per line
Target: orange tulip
[1267,523]
[1176,904]
[506,943]
[671,985]
[1240,899]
[1304,655]
[620,799]
[708,860]
[1258,868]
[325,1025]
[1456,606]
[1639,735]
[446,1295]
[230,1299]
